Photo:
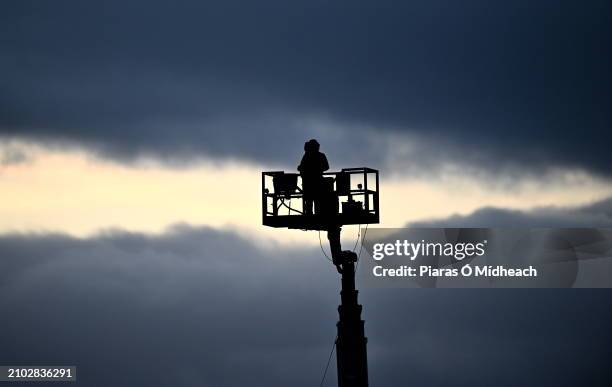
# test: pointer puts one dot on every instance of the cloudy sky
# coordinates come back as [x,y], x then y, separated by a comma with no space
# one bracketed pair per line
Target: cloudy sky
[133,134]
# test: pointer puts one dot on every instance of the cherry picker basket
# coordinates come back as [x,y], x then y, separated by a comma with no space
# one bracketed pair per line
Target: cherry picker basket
[354,190]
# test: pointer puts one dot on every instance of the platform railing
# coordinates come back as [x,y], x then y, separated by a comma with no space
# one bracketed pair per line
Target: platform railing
[279,209]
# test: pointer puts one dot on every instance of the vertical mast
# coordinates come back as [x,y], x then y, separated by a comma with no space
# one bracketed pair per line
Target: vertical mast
[351,342]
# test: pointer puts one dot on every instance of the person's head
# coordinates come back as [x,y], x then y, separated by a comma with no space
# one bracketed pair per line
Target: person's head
[311,146]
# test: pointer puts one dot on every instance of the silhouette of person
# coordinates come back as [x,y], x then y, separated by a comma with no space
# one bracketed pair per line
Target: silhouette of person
[311,168]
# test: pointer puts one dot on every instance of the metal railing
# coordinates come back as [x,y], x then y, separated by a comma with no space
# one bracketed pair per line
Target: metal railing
[283,205]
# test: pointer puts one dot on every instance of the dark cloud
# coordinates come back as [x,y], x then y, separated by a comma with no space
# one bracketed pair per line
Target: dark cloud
[492,84]
[201,307]
[598,214]
[130,309]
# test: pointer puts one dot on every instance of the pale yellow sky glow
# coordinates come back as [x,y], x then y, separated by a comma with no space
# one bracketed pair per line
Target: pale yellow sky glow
[69,191]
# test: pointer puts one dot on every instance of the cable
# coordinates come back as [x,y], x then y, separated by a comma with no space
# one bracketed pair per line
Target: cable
[328,361]
[357,241]
[282,203]
[354,247]
[322,249]
[365,231]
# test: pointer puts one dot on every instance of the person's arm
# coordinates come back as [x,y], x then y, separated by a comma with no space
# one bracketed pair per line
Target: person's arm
[301,166]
